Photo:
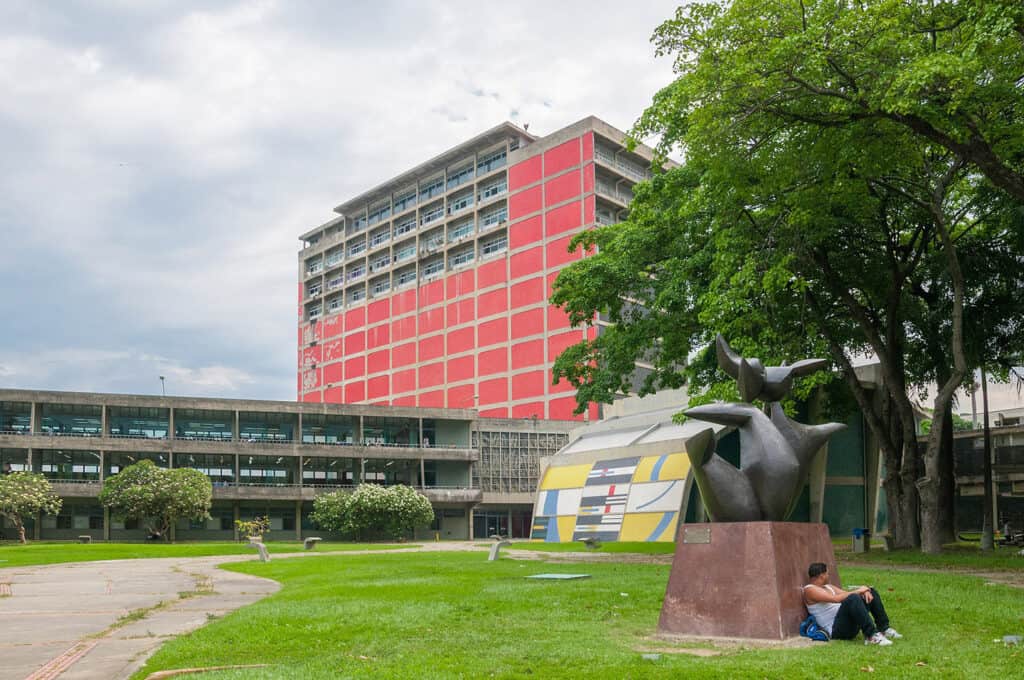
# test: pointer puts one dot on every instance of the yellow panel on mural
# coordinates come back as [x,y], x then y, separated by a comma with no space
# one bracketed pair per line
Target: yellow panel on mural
[657,468]
[649,526]
[566,476]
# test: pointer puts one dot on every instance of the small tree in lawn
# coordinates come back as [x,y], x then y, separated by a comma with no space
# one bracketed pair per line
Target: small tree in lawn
[371,509]
[157,497]
[26,494]
[254,528]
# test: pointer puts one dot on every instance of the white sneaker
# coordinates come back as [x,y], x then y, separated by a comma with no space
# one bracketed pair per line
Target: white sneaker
[878,639]
[891,634]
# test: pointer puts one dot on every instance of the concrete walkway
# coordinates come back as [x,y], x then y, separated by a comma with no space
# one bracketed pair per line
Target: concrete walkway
[67,620]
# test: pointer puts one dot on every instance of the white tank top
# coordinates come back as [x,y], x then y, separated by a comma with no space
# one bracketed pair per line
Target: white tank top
[823,612]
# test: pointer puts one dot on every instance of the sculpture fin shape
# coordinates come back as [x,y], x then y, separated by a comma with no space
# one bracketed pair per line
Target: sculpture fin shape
[726,492]
[750,382]
[722,413]
[807,366]
[728,360]
[806,440]
[700,447]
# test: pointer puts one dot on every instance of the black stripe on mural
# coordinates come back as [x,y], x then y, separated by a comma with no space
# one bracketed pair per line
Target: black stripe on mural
[611,479]
[588,520]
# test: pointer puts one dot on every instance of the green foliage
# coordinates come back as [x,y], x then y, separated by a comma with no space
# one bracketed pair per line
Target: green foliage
[959,425]
[157,496]
[25,494]
[254,528]
[370,510]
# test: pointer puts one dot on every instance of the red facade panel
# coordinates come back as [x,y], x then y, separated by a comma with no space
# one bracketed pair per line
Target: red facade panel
[354,318]
[433,399]
[562,157]
[460,368]
[528,292]
[432,374]
[378,311]
[588,178]
[523,173]
[403,381]
[490,274]
[493,391]
[403,303]
[524,203]
[311,397]
[562,188]
[525,263]
[378,387]
[403,329]
[526,385]
[530,322]
[403,355]
[334,349]
[431,293]
[588,146]
[460,284]
[333,373]
[431,320]
[431,348]
[558,220]
[559,254]
[378,361]
[312,355]
[491,332]
[333,327]
[460,312]
[493,302]
[529,353]
[461,340]
[561,409]
[534,409]
[558,343]
[405,401]
[355,367]
[557,319]
[460,396]
[530,230]
[561,386]
[334,395]
[493,361]
[355,342]
[589,205]
[355,392]
[378,336]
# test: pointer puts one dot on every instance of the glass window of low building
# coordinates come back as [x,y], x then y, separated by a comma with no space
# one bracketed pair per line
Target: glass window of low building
[281,516]
[449,433]
[388,472]
[69,465]
[76,516]
[323,471]
[203,425]
[138,422]
[14,460]
[383,431]
[267,470]
[72,419]
[115,462]
[328,429]
[15,417]
[266,427]
[220,468]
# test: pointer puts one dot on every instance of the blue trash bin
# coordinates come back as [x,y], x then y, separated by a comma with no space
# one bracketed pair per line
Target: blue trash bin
[861,537]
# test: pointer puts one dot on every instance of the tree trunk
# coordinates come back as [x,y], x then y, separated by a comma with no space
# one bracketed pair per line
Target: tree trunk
[947,483]
[988,522]
[21,533]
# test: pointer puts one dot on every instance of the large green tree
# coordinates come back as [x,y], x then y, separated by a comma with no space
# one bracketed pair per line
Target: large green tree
[373,510]
[157,497]
[799,226]
[26,494]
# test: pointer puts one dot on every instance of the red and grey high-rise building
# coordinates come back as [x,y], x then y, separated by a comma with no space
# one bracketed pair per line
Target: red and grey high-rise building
[431,289]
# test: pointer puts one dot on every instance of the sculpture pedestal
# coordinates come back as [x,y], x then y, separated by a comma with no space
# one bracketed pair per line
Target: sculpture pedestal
[743,579]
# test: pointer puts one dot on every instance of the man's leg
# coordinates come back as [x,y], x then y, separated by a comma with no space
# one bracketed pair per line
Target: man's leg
[878,611]
[851,617]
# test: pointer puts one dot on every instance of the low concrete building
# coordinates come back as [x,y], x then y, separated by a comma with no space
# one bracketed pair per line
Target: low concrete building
[273,457]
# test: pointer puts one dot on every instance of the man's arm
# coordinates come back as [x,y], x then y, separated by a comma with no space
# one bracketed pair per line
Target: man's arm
[815,594]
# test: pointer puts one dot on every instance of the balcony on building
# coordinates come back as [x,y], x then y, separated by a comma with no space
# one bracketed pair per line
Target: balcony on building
[139,422]
[15,417]
[266,428]
[72,420]
[203,425]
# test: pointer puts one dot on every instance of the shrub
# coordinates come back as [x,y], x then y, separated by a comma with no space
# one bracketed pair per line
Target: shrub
[372,510]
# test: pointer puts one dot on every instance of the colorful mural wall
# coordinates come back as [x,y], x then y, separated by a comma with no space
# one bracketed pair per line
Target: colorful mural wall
[635,498]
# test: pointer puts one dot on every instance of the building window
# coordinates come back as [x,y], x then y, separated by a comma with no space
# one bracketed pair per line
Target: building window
[358,224]
[491,161]
[405,227]
[496,245]
[493,189]
[335,282]
[379,237]
[335,257]
[357,294]
[356,272]
[405,200]
[379,212]
[313,291]
[356,248]
[460,203]
[461,258]
[405,252]
[381,286]
[314,267]
[406,277]
[335,304]
[493,218]
[380,263]
[457,232]
[432,214]
[460,176]
[433,268]
[431,188]
[315,312]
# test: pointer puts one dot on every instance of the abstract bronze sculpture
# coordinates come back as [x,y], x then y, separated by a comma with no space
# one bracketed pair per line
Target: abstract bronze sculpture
[776,451]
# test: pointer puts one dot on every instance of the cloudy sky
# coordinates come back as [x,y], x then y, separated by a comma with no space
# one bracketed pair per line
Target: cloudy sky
[159,159]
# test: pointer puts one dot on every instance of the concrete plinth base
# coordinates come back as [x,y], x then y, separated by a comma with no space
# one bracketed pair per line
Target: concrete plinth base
[743,579]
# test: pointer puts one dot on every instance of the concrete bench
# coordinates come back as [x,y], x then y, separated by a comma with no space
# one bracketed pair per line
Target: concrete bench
[591,543]
[499,543]
[311,542]
[85,539]
[264,554]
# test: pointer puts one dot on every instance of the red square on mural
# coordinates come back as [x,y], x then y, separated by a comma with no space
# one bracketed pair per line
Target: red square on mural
[403,381]
[403,355]
[431,374]
[461,396]
[460,312]
[564,218]
[524,203]
[378,311]
[561,409]
[460,284]
[432,347]
[377,387]
[533,409]
[355,342]
[493,391]
[354,318]
[433,399]
[526,385]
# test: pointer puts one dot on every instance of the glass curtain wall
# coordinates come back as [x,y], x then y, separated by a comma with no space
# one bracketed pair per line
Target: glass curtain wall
[15,417]
[321,471]
[14,460]
[267,470]
[58,464]
[138,422]
[324,429]
[381,431]
[220,468]
[203,425]
[266,427]
[388,472]
[72,420]
[115,462]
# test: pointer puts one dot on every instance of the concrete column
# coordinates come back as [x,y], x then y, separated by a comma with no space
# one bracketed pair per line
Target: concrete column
[106,524]
[420,423]
[423,474]
[103,460]
[28,459]
[359,430]
[235,483]
[237,512]
[299,470]
[509,522]
[469,519]
[298,435]
[362,470]
[104,421]
[36,417]
[298,520]
[170,423]
[234,427]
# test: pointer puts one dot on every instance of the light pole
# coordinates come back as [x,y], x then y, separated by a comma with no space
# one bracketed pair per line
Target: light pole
[163,392]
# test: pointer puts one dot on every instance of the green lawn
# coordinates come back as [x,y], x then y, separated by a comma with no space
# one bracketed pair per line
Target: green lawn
[959,556]
[16,555]
[449,615]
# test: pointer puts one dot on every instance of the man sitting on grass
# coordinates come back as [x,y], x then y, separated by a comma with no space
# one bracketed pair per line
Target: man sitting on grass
[842,612]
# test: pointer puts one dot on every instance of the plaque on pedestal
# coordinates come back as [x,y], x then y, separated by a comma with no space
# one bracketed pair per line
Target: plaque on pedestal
[743,579]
